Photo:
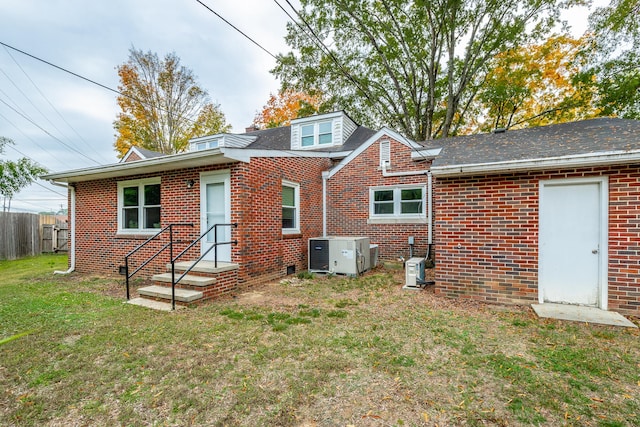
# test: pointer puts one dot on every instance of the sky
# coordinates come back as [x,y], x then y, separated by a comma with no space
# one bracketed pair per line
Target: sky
[63,122]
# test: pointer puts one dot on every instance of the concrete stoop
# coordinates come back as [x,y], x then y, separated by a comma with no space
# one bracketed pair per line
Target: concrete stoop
[201,283]
[579,313]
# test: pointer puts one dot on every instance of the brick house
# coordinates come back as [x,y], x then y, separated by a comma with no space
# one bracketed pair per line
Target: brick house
[323,175]
[548,214]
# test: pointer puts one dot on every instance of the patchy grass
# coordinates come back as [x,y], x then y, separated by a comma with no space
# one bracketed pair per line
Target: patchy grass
[318,351]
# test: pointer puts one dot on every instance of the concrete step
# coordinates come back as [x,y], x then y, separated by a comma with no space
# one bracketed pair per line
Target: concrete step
[153,304]
[205,266]
[187,280]
[164,292]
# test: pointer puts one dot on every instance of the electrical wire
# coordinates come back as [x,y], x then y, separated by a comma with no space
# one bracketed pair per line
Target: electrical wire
[237,29]
[50,103]
[49,133]
[318,42]
[30,139]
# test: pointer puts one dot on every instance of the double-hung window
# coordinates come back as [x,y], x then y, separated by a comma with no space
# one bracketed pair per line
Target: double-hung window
[316,134]
[139,206]
[397,202]
[290,207]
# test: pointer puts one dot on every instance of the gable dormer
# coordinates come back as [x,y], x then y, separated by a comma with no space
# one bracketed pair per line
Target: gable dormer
[321,131]
[220,140]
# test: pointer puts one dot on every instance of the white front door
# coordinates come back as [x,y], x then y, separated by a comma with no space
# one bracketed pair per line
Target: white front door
[573,241]
[215,208]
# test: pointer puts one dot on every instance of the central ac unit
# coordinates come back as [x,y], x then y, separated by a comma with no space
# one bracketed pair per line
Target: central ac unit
[339,255]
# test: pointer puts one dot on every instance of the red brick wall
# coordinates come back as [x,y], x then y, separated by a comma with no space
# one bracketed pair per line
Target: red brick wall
[257,205]
[487,233]
[348,201]
[262,251]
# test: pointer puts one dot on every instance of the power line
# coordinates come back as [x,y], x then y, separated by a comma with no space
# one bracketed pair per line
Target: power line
[49,133]
[318,42]
[94,82]
[47,99]
[237,29]
[61,69]
[30,139]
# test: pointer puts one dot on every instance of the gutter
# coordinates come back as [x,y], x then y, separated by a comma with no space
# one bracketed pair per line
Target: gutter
[579,160]
[429,195]
[72,224]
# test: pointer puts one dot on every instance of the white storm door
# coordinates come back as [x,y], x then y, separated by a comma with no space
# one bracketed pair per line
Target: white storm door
[573,242]
[215,208]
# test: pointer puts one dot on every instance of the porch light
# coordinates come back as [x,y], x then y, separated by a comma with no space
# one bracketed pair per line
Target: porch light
[190,183]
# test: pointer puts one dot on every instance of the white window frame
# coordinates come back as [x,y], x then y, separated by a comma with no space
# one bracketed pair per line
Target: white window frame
[214,143]
[296,195]
[397,216]
[140,183]
[316,134]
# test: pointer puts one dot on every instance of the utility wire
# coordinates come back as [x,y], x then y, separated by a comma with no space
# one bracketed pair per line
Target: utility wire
[30,139]
[92,81]
[48,101]
[237,29]
[311,34]
[49,133]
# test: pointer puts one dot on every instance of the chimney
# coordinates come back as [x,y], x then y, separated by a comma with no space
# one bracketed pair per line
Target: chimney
[251,128]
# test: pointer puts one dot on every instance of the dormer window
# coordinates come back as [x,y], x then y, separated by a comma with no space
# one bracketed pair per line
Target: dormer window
[206,145]
[316,134]
[321,131]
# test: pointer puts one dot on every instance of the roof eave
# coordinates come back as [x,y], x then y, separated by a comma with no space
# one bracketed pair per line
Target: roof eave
[561,162]
[156,164]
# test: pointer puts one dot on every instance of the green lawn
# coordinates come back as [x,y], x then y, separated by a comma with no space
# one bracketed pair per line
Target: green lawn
[325,352]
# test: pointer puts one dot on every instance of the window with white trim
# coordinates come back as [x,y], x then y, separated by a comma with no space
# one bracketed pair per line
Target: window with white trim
[215,143]
[290,207]
[397,202]
[139,206]
[316,134]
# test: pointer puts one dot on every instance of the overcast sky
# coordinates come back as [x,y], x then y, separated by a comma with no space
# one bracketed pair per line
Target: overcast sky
[64,122]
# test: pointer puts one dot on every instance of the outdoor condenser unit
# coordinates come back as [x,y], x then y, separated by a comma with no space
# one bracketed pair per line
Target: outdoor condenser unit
[414,273]
[339,255]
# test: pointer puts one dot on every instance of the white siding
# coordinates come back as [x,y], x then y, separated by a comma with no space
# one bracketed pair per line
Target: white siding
[348,127]
[295,137]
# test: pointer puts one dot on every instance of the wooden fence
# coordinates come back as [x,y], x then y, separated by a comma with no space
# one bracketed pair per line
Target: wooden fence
[25,234]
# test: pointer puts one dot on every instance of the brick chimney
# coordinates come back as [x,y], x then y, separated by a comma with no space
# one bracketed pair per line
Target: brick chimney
[251,128]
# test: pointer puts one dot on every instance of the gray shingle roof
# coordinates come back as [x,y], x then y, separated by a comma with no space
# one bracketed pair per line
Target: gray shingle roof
[280,139]
[148,154]
[566,139]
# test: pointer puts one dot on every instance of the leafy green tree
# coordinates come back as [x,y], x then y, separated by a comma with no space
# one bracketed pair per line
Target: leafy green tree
[16,175]
[615,57]
[413,65]
[162,105]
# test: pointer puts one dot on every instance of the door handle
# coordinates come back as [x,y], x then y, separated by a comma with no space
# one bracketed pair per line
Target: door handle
[594,251]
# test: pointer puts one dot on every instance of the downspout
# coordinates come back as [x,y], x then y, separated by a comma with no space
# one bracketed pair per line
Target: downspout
[72,225]
[429,196]
[325,177]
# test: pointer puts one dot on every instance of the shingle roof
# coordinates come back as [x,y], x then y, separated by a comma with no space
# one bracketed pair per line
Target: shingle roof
[566,139]
[280,139]
[148,154]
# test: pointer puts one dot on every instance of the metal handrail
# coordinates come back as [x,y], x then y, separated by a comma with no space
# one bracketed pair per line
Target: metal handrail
[213,228]
[149,240]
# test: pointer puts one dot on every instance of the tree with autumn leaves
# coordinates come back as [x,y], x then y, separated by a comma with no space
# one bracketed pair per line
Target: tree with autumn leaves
[162,105]
[533,85]
[287,105]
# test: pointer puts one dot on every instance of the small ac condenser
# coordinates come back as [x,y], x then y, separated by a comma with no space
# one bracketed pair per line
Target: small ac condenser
[414,273]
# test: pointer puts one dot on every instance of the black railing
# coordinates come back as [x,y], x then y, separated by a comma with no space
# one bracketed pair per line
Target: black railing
[125,269]
[214,247]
